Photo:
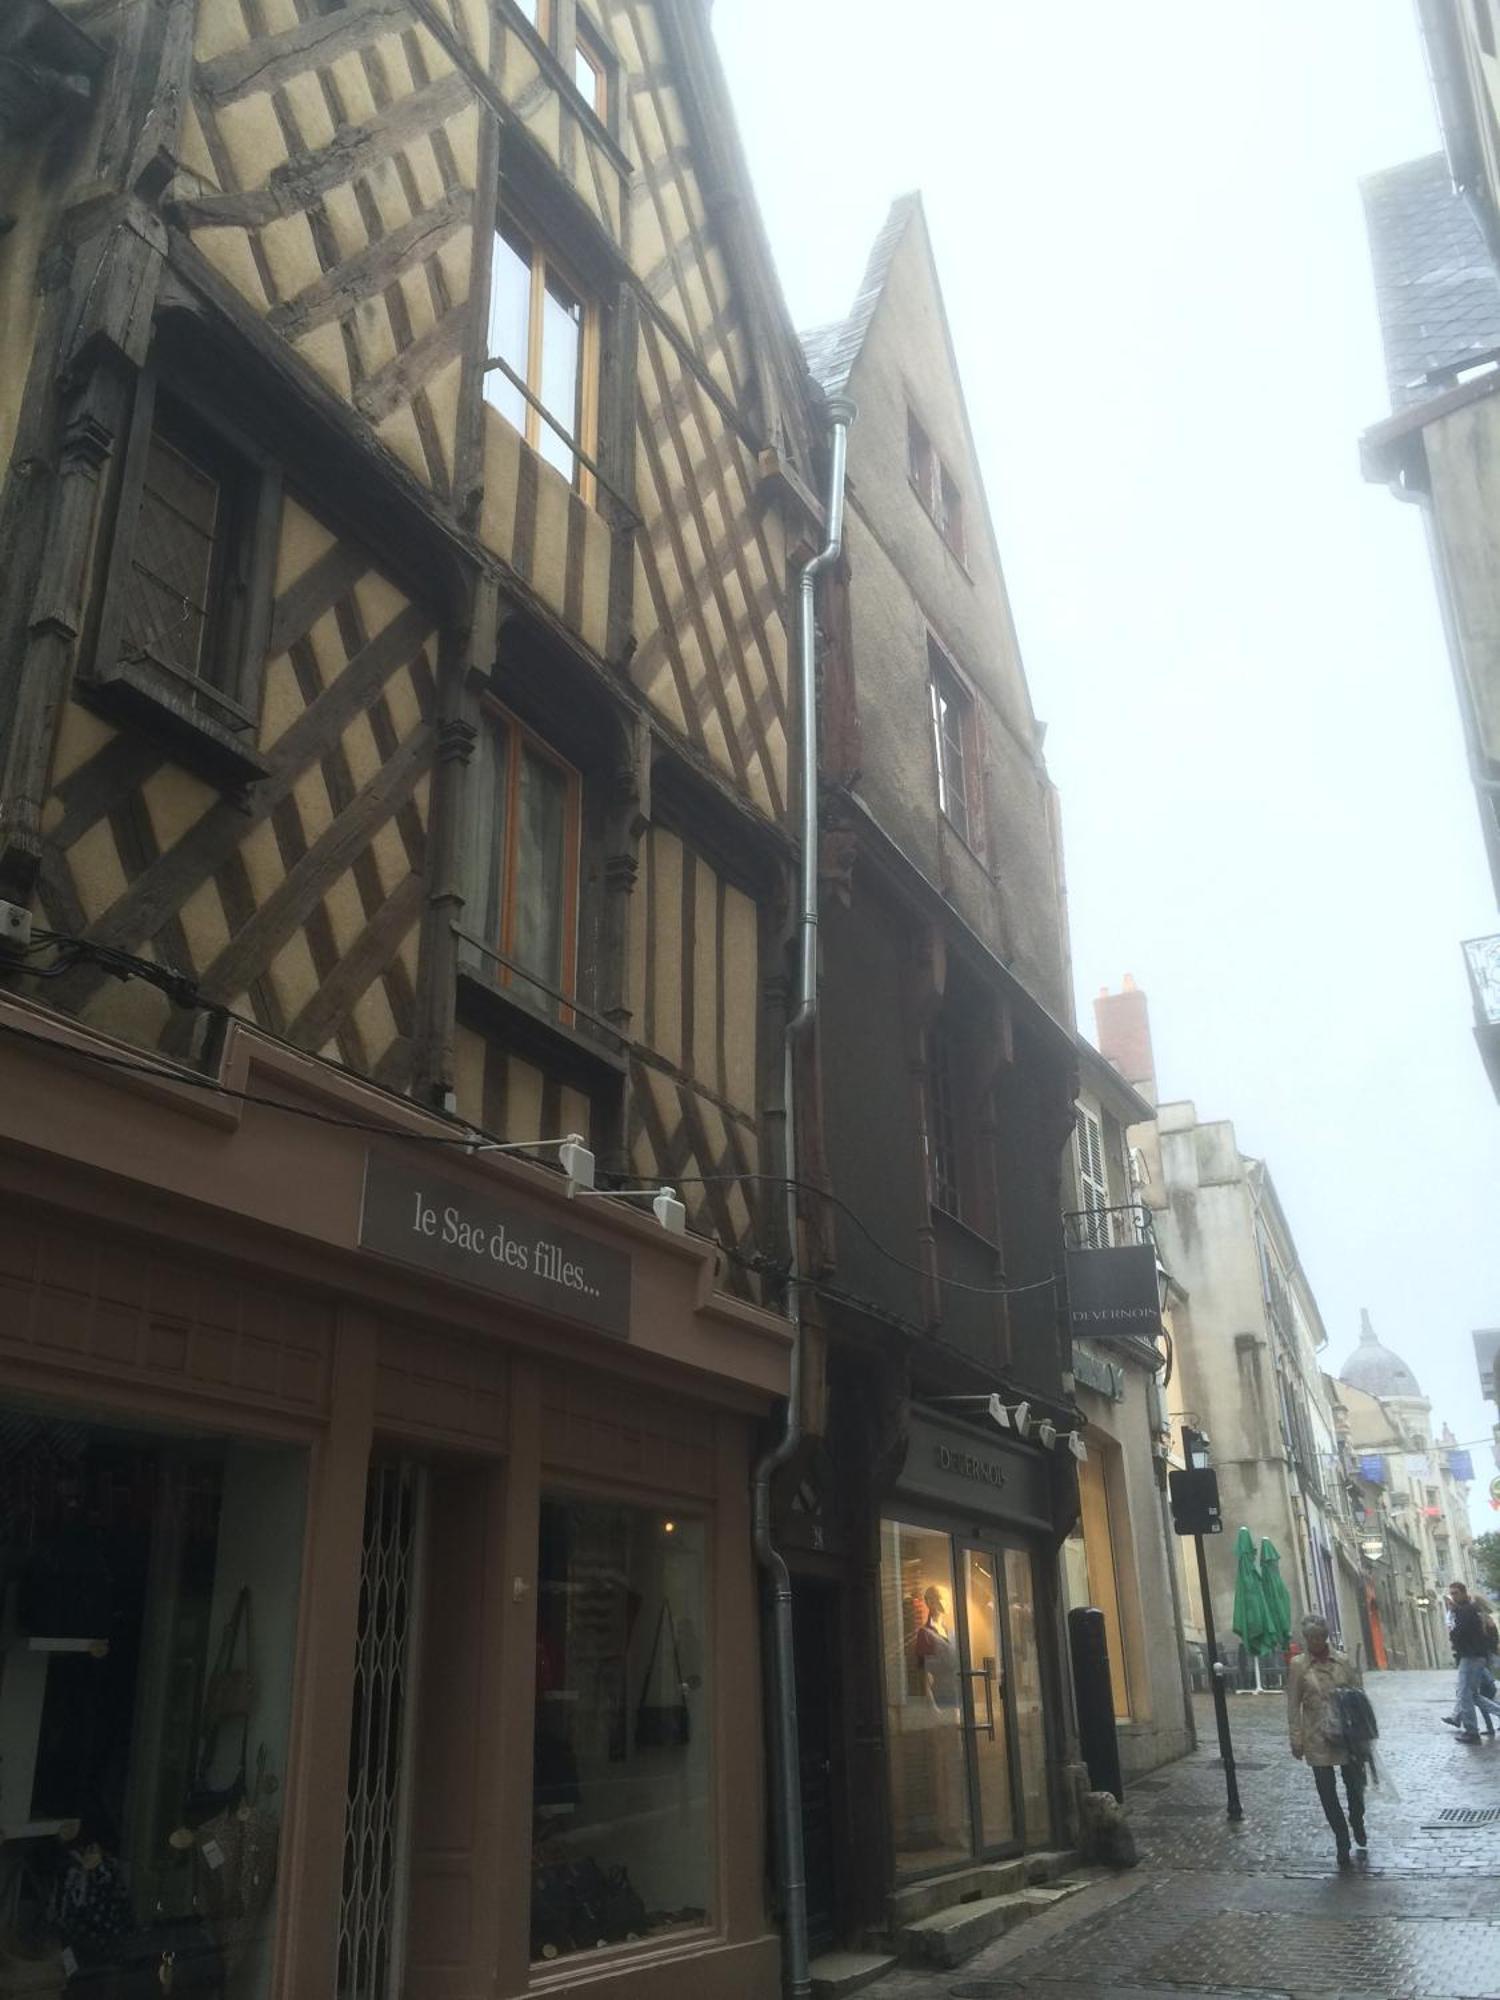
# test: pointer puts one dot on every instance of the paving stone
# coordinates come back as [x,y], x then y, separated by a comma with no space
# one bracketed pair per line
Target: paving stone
[1257,1910]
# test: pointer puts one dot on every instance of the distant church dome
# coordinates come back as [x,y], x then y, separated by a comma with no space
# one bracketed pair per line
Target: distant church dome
[1375,1369]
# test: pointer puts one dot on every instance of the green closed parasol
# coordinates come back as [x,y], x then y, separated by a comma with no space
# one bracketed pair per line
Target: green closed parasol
[1274,1591]
[1251,1621]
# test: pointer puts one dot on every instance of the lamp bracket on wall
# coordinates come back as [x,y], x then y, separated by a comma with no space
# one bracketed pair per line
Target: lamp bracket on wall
[573,1155]
[665,1206]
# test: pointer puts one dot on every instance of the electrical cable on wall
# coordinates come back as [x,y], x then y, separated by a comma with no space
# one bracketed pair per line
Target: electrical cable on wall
[184,993]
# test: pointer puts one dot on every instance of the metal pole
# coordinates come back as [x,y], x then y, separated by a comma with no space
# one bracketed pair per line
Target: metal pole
[1216,1674]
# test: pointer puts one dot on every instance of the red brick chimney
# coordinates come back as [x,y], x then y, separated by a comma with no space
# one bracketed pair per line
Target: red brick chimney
[1122,1026]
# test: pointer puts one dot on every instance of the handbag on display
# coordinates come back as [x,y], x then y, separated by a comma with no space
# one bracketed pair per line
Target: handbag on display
[229,1697]
[175,1955]
[90,1903]
[663,1723]
[233,1691]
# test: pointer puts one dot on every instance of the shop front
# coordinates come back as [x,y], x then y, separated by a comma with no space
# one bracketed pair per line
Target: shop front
[969,1650]
[377,1607]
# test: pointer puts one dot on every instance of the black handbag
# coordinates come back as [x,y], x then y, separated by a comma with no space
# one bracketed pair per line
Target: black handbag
[229,1695]
[177,1955]
[665,1723]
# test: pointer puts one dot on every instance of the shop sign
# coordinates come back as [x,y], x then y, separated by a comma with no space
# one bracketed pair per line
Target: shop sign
[1105,1378]
[948,1463]
[1114,1292]
[418,1218]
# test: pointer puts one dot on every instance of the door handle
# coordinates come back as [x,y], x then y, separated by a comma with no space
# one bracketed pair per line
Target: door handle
[986,1673]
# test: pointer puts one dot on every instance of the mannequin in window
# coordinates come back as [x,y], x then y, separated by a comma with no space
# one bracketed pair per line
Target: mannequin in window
[937,1651]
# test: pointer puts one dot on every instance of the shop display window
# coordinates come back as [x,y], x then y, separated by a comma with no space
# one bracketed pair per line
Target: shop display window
[1090,1568]
[622,1832]
[148,1606]
[924,1707]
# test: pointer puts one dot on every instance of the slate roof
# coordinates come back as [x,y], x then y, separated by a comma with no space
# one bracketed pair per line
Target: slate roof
[832,350]
[1436,287]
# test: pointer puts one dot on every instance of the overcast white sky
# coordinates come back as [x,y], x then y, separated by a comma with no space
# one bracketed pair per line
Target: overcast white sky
[1149,234]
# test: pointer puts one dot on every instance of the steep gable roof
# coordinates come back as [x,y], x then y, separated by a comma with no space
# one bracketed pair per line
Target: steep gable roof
[833,354]
[832,350]
[1436,287]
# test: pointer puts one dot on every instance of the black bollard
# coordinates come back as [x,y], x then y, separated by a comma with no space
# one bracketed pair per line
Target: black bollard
[1094,1699]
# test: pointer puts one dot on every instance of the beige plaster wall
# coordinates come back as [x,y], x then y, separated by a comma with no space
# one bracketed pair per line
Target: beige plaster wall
[905,583]
[1463,456]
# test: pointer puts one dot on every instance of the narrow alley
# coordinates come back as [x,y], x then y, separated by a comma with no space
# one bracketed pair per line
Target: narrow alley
[1259,1907]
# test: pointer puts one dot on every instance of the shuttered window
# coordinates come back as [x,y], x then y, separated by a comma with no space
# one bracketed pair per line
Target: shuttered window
[1093,1178]
[173,608]
[942,1123]
[953,745]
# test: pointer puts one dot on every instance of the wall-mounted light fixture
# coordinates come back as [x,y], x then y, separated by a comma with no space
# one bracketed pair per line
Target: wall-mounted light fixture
[573,1155]
[665,1206]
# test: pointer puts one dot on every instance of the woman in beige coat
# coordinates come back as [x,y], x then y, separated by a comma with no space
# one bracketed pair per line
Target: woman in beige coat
[1313,1721]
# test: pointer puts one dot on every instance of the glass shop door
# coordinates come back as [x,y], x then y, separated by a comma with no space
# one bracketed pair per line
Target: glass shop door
[987,1702]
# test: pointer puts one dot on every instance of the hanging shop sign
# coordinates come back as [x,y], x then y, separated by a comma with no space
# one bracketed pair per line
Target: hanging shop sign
[1114,1292]
[419,1218]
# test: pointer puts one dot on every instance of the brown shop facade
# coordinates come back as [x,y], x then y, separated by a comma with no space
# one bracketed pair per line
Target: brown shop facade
[371,1623]
[970,1669]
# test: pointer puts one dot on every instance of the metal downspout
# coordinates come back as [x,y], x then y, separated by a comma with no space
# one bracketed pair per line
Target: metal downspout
[786,1782]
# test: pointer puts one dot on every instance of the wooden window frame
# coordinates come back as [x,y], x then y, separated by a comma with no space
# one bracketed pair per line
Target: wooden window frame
[501,967]
[921,462]
[944,682]
[212,722]
[950,517]
[542,25]
[590,48]
[941,495]
[584,445]
[944,1151]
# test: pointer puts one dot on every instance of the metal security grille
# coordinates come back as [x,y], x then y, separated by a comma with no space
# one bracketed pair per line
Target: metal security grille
[373,1910]
[1454,1818]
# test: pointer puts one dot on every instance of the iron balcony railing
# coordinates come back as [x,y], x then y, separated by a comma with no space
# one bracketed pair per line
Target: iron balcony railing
[1108,1228]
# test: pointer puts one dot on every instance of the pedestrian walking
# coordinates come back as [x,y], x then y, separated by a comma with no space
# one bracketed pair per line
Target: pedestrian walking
[1317,1732]
[1472,1645]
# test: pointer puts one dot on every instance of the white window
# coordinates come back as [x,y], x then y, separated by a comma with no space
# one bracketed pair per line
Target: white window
[1093,1180]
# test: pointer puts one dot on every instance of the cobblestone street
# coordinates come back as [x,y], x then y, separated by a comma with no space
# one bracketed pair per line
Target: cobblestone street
[1260,1908]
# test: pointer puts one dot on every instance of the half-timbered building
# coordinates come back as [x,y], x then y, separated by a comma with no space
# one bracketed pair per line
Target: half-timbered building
[926,1507]
[403,459]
